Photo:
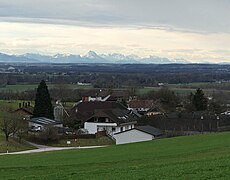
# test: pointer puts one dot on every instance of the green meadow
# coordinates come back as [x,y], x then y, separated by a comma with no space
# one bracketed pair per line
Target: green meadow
[192,157]
[25,87]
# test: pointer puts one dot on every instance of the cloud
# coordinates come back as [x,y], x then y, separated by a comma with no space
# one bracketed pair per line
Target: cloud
[191,29]
[206,16]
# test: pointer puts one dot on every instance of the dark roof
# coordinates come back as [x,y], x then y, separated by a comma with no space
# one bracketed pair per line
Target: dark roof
[147,129]
[44,121]
[141,104]
[119,116]
[150,130]
[191,115]
[83,110]
[187,121]
[28,109]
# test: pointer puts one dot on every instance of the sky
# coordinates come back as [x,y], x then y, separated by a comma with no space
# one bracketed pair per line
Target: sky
[196,30]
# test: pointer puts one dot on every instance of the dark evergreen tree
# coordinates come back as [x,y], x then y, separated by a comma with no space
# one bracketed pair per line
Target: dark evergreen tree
[199,100]
[43,106]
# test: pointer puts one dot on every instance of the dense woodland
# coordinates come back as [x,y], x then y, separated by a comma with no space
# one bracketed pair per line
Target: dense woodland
[110,76]
[113,75]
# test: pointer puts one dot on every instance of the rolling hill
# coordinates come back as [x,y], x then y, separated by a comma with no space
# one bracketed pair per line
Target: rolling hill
[194,157]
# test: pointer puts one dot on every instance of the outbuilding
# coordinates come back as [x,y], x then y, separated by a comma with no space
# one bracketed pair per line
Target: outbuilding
[41,123]
[137,134]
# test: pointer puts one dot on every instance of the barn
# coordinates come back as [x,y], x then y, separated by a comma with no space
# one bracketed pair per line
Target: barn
[137,134]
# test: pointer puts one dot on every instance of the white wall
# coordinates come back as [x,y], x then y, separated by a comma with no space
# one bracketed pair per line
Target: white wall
[131,136]
[43,127]
[94,127]
[59,125]
[35,125]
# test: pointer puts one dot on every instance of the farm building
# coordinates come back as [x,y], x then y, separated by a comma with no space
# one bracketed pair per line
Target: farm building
[25,110]
[41,123]
[137,134]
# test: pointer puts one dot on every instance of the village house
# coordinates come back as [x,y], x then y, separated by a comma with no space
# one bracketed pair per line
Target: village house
[140,106]
[110,120]
[82,111]
[25,110]
[105,95]
[186,123]
[106,116]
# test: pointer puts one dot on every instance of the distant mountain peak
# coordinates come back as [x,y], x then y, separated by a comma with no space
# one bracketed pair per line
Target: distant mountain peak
[90,57]
[61,55]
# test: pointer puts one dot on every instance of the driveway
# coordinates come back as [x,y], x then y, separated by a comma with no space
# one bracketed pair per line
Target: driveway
[43,148]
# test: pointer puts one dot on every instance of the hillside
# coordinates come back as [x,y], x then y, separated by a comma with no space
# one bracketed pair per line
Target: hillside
[193,157]
[13,145]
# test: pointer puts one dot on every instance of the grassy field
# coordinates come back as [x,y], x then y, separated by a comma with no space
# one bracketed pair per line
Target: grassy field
[146,90]
[13,104]
[85,142]
[193,157]
[13,145]
[24,87]
[203,85]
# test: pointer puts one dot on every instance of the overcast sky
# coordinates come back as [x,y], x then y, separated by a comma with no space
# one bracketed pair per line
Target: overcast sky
[197,30]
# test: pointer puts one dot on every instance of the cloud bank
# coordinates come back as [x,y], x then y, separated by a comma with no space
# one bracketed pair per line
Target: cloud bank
[192,29]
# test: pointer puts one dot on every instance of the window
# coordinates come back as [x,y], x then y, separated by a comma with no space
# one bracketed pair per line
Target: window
[121,129]
[113,129]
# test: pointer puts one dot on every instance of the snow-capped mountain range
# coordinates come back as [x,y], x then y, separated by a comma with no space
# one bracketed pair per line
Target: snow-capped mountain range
[90,57]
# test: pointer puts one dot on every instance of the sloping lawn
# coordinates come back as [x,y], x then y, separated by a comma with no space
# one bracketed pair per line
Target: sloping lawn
[13,145]
[85,142]
[193,157]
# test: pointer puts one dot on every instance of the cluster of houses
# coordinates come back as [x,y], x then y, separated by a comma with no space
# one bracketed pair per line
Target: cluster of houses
[102,111]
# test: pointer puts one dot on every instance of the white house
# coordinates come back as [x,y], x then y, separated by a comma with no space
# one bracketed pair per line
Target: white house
[137,134]
[140,106]
[110,120]
[40,123]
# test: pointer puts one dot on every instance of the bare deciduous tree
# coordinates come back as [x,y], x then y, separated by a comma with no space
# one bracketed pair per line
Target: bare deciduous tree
[11,124]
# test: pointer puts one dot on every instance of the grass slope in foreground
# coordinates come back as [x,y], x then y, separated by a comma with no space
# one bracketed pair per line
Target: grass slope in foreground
[193,157]
[13,145]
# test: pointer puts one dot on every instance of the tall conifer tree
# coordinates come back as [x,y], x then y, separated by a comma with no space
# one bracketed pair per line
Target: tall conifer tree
[43,106]
[199,100]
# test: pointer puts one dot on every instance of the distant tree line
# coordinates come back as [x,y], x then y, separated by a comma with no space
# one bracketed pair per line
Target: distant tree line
[115,76]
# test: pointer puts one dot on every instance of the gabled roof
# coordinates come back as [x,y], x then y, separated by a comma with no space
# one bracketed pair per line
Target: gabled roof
[28,109]
[141,104]
[84,110]
[119,116]
[44,121]
[147,129]
[150,130]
